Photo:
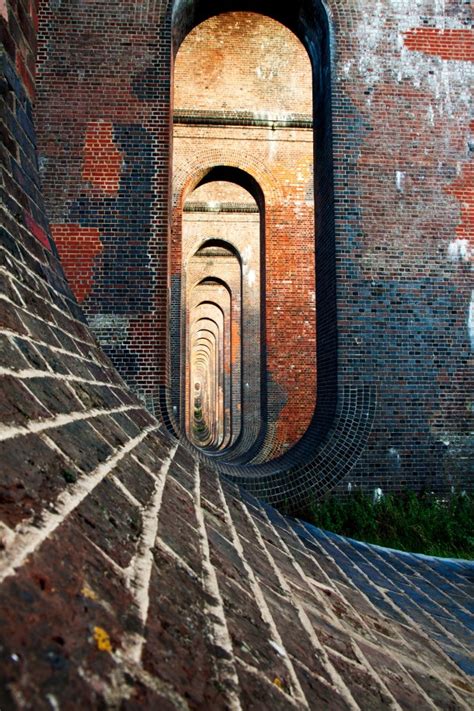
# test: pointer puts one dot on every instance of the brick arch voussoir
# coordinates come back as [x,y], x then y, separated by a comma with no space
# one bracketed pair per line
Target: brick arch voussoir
[188,174]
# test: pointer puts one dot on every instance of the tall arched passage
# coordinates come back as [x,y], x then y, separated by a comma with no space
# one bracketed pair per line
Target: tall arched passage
[121,218]
[343,416]
[218,234]
[244,113]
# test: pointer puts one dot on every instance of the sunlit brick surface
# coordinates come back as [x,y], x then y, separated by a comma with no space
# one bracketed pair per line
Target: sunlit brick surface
[132,575]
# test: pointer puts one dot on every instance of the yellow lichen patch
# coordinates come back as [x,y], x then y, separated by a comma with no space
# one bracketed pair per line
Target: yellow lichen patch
[102,639]
[88,592]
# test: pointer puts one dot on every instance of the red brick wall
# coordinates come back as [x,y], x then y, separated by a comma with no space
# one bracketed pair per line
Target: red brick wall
[407,319]
[100,142]
[119,550]
[400,137]
[243,61]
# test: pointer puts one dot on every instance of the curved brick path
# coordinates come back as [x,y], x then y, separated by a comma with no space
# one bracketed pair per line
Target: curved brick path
[150,584]
[436,593]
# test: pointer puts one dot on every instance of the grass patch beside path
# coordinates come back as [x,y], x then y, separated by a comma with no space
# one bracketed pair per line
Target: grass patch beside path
[416,522]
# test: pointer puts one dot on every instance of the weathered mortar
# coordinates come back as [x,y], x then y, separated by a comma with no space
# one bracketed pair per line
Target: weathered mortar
[130,575]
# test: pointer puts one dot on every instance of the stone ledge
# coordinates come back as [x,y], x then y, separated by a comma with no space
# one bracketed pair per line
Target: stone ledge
[241,118]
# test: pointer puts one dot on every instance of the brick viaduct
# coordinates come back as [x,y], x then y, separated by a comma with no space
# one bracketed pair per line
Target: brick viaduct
[236,263]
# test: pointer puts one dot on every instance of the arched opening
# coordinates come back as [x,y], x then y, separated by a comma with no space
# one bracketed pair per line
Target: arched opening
[212,258]
[241,356]
[286,249]
[205,424]
[232,258]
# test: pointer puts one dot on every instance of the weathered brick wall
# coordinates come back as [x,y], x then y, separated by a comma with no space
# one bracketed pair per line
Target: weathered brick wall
[403,217]
[130,575]
[101,149]
[405,301]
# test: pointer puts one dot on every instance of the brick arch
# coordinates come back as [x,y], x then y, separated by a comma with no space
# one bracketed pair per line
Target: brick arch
[213,280]
[297,474]
[206,302]
[232,373]
[215,310]
[183,16]
[187,177]
[226,244]
[245,171]
[276,227]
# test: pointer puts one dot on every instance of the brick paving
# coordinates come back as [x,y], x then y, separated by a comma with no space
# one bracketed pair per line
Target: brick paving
[131,574]
[197,595]
[434,592]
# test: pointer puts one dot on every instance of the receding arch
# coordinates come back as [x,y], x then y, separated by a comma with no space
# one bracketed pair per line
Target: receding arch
[309,21]
[278,374]
[209,246]
[206,351]
[234,174]
[216,243]
[264,186]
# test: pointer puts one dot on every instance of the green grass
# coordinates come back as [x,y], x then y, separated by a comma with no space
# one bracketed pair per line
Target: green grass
[416,522]
[200,428]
